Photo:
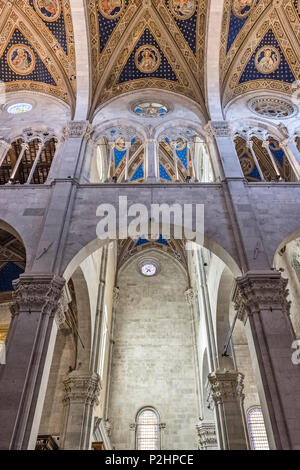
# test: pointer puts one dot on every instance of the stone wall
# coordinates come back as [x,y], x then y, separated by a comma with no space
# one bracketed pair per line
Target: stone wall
[153,361]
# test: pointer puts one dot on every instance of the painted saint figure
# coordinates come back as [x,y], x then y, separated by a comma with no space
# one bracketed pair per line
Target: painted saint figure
[21,60]
[267,60]
[184,8]
[242,7]
[110,8]
[49,9]
[147,59]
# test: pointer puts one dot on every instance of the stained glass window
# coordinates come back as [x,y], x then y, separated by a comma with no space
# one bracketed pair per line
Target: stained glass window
[148,430]
[19,108]
[257,429]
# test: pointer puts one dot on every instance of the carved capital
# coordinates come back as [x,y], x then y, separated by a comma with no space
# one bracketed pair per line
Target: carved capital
[258,291]
[116,296]
[207,435]
[37,293]
[190,296]
[226,386]
[83,389]
[219,129]
[77,129]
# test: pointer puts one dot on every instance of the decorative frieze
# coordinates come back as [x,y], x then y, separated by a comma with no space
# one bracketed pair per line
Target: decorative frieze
[207,435]
[82,389]
[258,291]
[219,129]
[37,293]
[226,386]
[77,129]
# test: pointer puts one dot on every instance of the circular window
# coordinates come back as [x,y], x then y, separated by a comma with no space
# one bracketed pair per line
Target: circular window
[150,110]
[148,270]
[19,108]
[148,267]
[272,108]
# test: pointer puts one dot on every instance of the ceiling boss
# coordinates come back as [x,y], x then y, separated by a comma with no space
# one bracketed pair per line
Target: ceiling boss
[49,10]
[111,9]
[242,8]
[183,9]
[147,59]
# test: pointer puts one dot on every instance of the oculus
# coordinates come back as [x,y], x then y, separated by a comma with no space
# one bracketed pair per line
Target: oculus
[111,9]
[120,144]
[242,8]
[147,59]
[273,108]
[150,110]
[21,59]
[267,59]
[19,108]
[49,10]
[183,9]
[148,269]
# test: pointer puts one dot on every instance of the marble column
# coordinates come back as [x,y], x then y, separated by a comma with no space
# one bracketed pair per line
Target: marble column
[82,396]
[72,151]
[4,148]
[261,302]
[292,153]
[151,160]
[30,345]
[226,391]
[224,138]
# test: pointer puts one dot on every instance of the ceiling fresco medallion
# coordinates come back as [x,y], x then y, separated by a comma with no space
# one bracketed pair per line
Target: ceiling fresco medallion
[183,9]
[111,9]
[242,8]
[21,59]
[267,59]
[49,10]
[147,59]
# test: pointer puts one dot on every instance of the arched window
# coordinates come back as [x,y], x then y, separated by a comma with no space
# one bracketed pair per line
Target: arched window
[147,430]
[257,429]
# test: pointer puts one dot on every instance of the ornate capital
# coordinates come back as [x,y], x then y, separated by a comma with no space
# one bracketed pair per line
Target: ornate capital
[219,129]
[190,296]
[207,435]
[76,129]
[37,293]
[116,296]
[226,386]
[82,389]
[132,426]
[258,291]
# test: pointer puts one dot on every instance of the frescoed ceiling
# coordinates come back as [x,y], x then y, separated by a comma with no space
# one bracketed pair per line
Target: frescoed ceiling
[139,44]
[260,46]
[37,50]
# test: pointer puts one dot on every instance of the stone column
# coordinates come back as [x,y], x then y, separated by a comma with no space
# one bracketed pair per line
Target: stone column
[30,345]
[291,151]
[4,148]
[73,150]
[226,389]
[151,160]
[207,435]
[261,302]
[82,396]
[224,138]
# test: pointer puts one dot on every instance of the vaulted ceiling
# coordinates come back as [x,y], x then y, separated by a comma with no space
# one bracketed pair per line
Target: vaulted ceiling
[138,44]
